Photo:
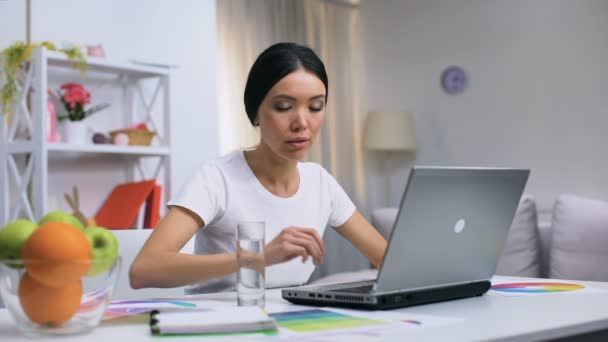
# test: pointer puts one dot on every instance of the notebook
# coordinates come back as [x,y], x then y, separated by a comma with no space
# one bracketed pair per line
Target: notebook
[152,215]
[219,321]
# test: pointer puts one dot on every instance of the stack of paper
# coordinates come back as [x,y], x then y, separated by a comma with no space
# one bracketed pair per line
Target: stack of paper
[232,320]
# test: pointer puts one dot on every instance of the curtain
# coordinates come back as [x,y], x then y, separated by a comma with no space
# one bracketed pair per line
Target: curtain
[245,29]
[332,29]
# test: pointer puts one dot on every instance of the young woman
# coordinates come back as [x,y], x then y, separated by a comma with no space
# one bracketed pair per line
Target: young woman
[285,96]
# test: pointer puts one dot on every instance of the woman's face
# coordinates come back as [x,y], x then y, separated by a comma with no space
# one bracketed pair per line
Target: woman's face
[292,113]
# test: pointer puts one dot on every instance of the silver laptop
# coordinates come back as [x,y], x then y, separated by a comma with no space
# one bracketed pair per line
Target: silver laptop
[446,241]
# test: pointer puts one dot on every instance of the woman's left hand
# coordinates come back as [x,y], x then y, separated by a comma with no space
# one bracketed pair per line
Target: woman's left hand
[293,242]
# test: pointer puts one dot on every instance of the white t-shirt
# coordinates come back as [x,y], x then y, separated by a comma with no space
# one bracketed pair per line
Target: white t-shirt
[225,192]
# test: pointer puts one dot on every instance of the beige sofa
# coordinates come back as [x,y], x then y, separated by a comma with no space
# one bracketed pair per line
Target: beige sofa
[574,245]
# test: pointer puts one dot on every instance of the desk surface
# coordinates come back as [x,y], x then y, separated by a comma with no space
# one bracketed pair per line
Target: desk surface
[492,317]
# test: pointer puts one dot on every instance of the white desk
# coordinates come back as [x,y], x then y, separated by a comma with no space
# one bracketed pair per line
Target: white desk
[492,317]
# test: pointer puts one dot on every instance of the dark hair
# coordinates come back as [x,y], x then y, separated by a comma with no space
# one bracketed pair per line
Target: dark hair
[276,62]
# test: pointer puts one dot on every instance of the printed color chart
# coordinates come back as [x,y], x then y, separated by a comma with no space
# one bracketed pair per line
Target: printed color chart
[320,320]
[134,307]
[537,287]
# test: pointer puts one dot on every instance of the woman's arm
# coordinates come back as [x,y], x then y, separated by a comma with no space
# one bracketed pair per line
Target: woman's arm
[159,264]
[365,237]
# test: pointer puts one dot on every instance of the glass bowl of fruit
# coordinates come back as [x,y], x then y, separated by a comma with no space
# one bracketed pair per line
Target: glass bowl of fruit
[63,280]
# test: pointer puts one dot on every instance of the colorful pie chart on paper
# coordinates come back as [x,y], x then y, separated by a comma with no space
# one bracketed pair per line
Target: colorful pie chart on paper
[320,320]
[134,307]
[537,287]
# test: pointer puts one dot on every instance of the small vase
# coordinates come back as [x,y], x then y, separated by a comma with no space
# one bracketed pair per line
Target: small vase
[51,123]
[75,132]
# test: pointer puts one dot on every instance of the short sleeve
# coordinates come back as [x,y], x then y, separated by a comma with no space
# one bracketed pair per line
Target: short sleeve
[342,208]
[204,194]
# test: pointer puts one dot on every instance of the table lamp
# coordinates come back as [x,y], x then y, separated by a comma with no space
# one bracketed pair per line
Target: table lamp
[389,132]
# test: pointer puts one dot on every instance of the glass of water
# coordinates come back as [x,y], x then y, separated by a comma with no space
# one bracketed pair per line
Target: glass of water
[250,262]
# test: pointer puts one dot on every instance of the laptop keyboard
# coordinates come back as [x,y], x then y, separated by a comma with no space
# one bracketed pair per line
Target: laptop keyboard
[356,289]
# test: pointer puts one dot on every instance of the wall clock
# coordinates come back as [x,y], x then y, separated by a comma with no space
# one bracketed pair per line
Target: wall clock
[454,80]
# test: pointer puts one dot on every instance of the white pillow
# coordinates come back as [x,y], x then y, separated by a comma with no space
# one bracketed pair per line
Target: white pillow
[383,220]
[579,241]
[521,254]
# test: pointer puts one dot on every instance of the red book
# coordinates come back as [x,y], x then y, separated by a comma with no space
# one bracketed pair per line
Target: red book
[152,217]
[122,206]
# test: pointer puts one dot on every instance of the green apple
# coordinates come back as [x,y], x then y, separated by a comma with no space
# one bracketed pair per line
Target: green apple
[60,216]
[104,249]
[12,237]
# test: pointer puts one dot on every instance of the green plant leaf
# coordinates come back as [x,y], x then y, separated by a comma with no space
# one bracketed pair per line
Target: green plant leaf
[12,59]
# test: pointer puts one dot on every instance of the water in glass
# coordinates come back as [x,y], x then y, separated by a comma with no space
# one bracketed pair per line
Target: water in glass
[250,276]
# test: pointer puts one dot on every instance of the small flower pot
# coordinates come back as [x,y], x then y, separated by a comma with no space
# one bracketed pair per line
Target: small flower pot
[75,132]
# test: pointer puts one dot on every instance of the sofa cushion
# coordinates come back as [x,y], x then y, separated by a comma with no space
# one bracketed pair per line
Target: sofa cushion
[521,254]
[579,239]
[383,220]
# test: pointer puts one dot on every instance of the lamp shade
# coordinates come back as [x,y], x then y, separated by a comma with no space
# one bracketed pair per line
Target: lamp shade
[389,131]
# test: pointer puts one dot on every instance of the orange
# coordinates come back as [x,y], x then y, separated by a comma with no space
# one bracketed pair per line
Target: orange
[57,254]
[47,305]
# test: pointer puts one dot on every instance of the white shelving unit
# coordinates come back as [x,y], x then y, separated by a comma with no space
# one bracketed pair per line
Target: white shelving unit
[25,153]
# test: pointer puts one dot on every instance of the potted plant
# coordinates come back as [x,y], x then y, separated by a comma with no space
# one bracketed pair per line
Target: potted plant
[12,60]
[75,97]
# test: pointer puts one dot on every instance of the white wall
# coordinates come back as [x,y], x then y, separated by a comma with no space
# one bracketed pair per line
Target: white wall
[537,96]
[180,33]
[12,22]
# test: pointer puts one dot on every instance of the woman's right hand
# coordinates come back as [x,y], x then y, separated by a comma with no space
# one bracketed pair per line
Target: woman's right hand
[293,242]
